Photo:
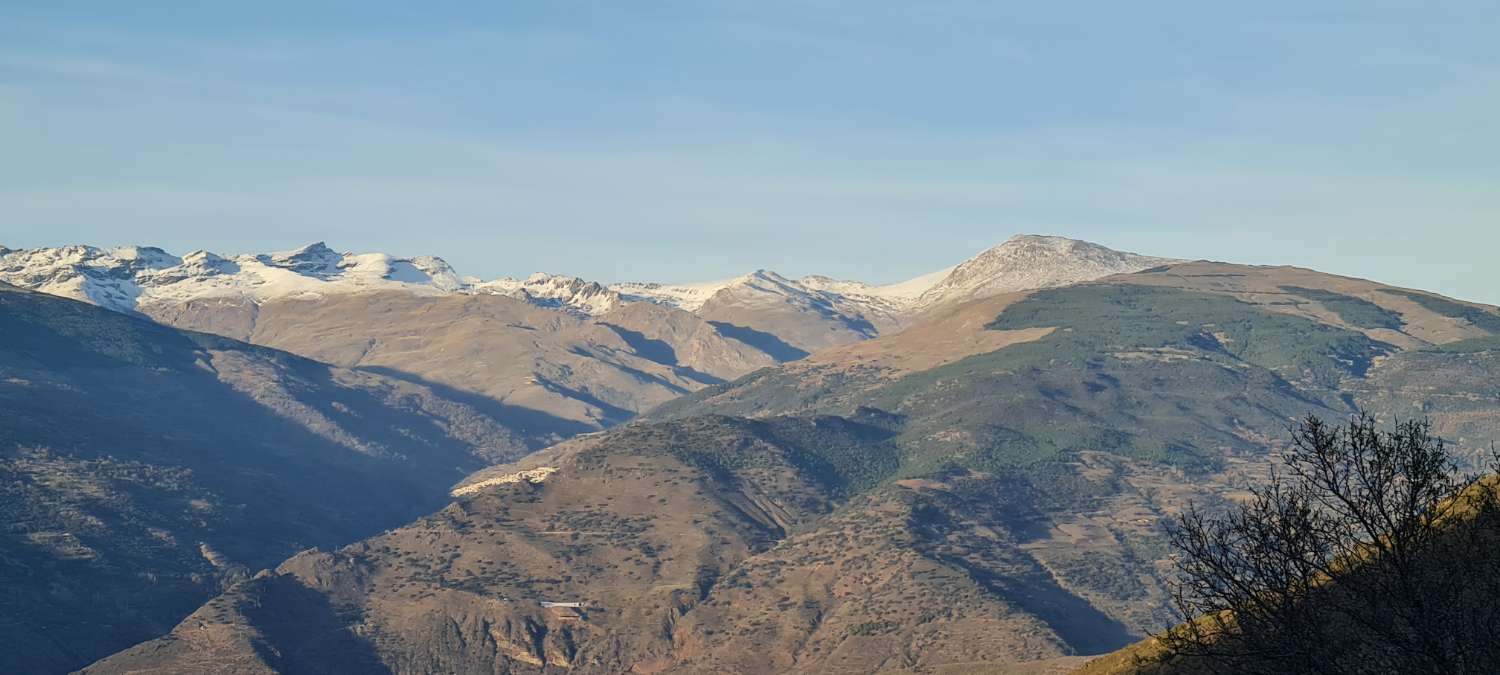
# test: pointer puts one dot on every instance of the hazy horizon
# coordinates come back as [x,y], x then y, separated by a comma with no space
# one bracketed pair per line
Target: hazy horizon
[686,141]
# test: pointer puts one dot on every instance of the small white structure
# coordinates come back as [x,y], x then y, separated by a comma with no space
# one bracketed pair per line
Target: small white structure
[567,605]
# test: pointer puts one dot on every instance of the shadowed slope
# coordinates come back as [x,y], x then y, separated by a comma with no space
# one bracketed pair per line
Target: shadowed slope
[143,466]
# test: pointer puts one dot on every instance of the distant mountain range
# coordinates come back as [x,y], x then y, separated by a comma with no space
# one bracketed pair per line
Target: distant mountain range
[965,473]
[135,278]
[580,355]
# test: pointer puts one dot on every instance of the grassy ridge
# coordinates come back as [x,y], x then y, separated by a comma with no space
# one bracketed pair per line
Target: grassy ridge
[1099,319]
[1157,374]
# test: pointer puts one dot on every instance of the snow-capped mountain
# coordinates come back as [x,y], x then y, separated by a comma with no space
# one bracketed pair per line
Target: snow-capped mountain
[1022,262]
[812,292]
[1028,262]
[692,297]
[553,290]
[132,277]
[128,278]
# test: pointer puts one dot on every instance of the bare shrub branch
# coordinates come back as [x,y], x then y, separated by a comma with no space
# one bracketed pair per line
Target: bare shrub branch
[1366,552]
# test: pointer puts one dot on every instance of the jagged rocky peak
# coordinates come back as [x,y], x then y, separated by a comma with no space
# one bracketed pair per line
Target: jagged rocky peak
[557,291]
[313,260]
[570,291]
[210,263]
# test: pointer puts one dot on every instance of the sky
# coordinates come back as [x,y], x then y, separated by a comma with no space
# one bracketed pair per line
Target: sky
[682,141]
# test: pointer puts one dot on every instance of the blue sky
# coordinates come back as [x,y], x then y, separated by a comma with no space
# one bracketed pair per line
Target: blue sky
[679,141]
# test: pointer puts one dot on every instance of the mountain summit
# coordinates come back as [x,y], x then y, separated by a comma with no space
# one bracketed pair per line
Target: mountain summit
[1030,261]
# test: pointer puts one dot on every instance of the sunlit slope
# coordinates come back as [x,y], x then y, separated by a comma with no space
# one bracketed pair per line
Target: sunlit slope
[1179,362]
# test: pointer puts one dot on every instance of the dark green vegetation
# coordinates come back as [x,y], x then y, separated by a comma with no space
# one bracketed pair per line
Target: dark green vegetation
[1157,374]
[1487,343]
[1353,311]
[1100,319]
[842,455]
[143,468]
[1477,316]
